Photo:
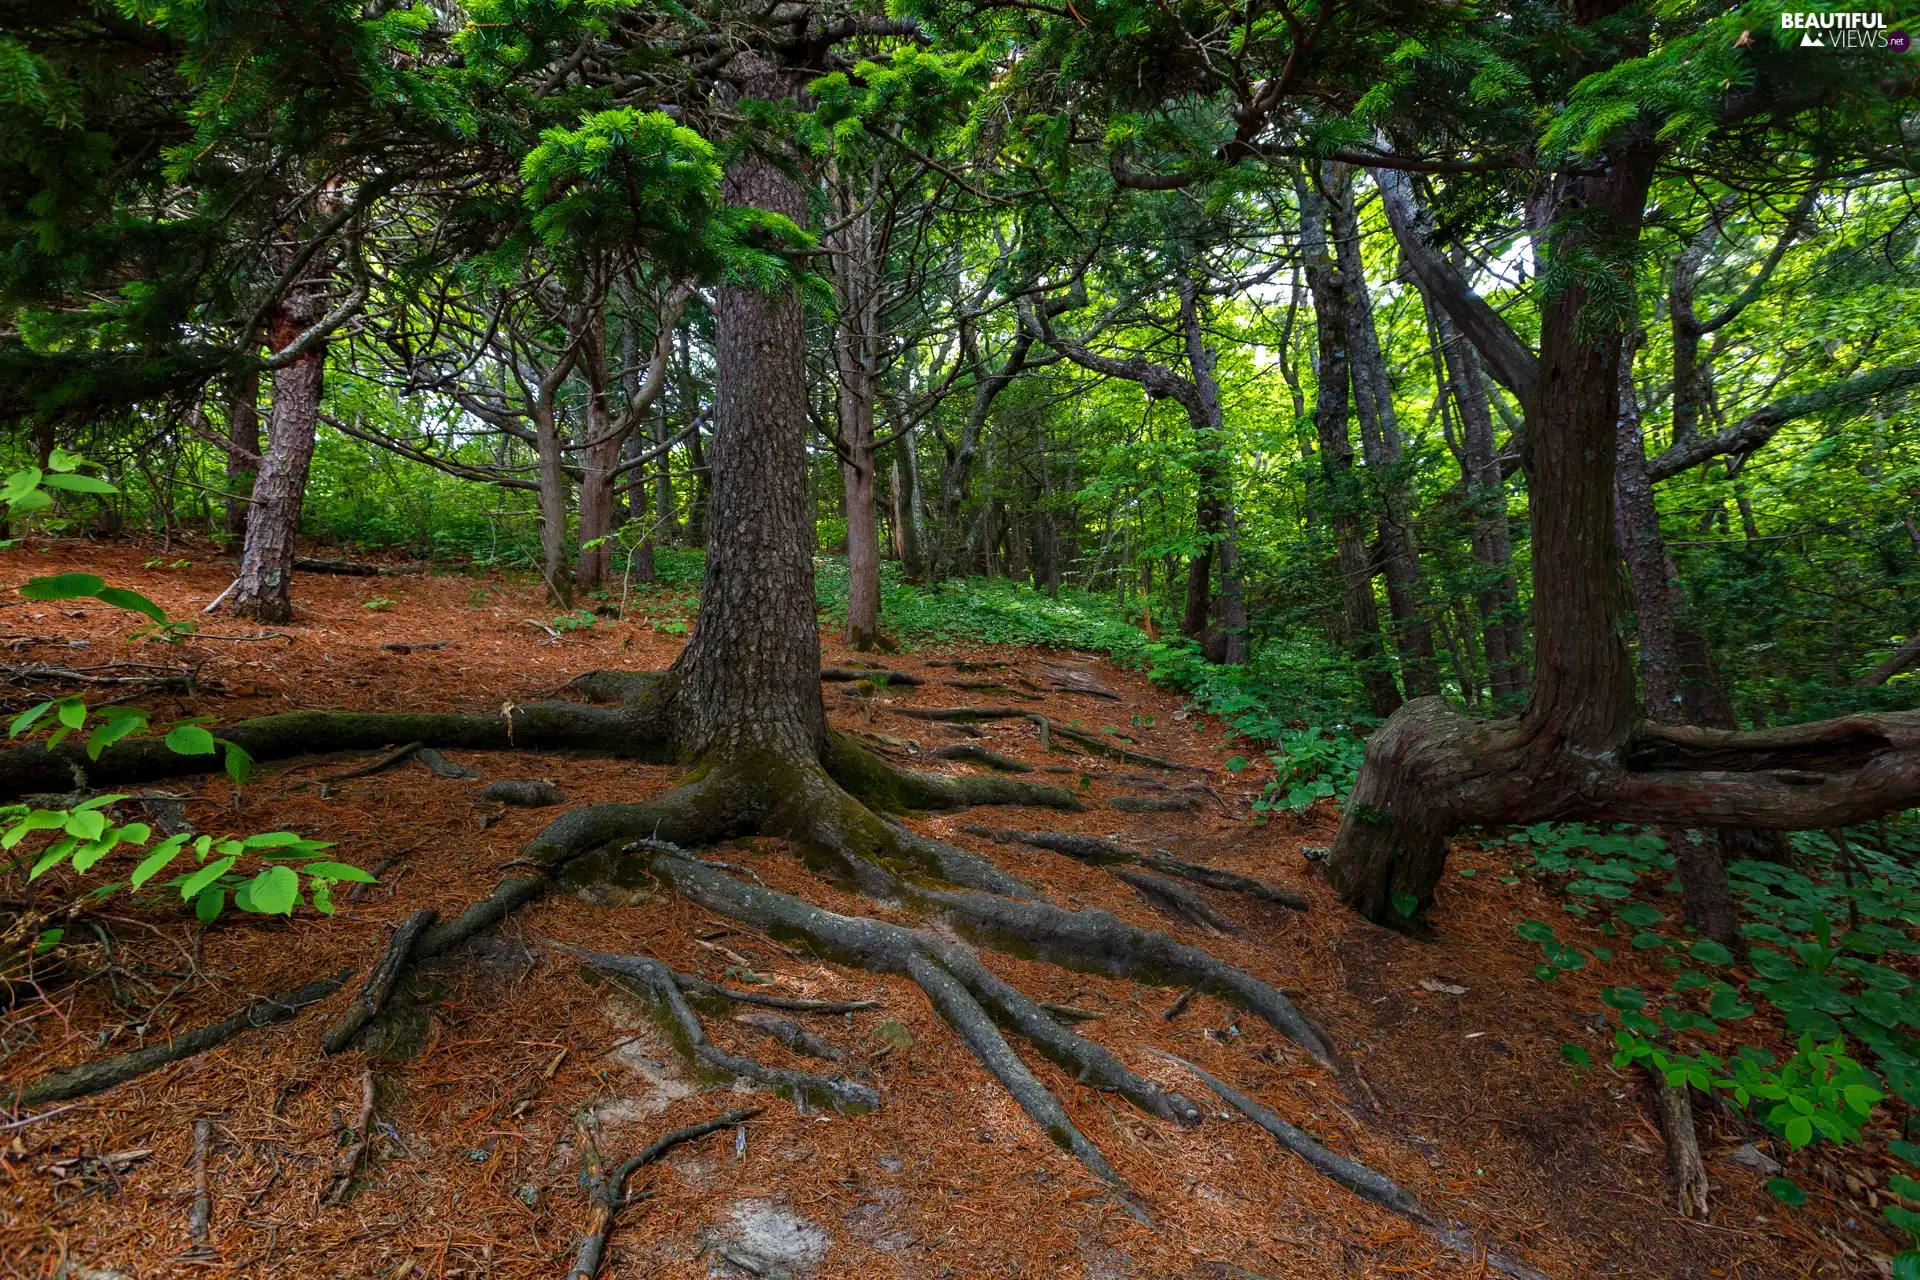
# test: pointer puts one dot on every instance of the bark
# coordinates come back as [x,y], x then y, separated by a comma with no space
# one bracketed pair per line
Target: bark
[243,451]
[1343,502]
[1381,448]
[855,355]
[957,474]
[750,675]
[264,591]
[553,505]
[608,431]
[1899,660]
[912,518]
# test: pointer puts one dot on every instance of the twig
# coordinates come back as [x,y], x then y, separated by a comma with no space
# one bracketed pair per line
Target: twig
[607,1193]
[348,1162]
[379,985]
[217,600]
[202,1212]
[1179,1006]
[535,622]
[265,635]
[24,1121]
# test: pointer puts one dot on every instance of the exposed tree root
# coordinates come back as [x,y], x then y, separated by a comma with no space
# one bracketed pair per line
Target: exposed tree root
[92,1077]
[1110,853]
[1153,804]
[397,756]
[1351,1174]
[379,985]
[1175,898]
[700,988]
[657,980]
[1230,881]
[1097,742]
[606,1193]
[888,787]
[441,767]
[845,675]
[1099,940]
[347,1163]
[507,897]
[958,866]
[967,994]
[973,753]
[631,731]
[790,1034]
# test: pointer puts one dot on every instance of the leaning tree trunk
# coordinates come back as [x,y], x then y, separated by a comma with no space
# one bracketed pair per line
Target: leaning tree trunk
[912,519]
[1342,501]
[264,591]
[1381,447]
[599,461]
[553,506]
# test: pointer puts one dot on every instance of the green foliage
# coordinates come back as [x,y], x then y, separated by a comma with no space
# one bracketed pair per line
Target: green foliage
[267,874]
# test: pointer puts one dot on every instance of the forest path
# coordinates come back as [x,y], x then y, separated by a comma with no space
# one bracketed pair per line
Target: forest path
[473,1166]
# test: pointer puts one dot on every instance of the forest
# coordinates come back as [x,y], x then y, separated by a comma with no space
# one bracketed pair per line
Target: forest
[789,638]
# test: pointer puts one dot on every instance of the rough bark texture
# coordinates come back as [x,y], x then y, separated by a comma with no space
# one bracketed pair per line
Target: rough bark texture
[265,588]
[750,676]
[1218,519]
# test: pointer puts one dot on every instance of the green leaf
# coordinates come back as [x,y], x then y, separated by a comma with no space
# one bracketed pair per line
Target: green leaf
[1405,904]
[322,896]
[1574,1054]
[25,720]
[339,871]
[156,862]
[1771,964]
[32,500]
[207,906]
[121,598]
[72,712]
[55,854]
[1901,1185]
[86,824]
[270,840]
[1787,1191]
[190,740]
[275,891]
[1646,940]
[111,731]
[63,586]
[78,483]
[1799,1131]
[1707,951]
[1906,1265]
[1906,1151]
[1535,930]
[238,764]
[94,850]
[1236,763]
[136,833]
[48,940]
[1640,914]
[205,876]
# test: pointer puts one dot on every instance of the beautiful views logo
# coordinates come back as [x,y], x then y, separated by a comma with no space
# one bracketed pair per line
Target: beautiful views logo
[1843,31]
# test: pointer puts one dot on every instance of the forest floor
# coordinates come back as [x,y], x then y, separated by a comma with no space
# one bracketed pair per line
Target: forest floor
[474,1169]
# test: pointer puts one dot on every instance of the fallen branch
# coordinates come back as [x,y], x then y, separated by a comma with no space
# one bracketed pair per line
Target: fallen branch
[355,569]
[92,1077]
[442,767]
[695,986]
[607,1193]
[413,646]
[347,1163]
[379,985]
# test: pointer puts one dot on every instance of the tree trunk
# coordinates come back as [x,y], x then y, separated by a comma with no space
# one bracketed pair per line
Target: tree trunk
[1216,487]
[599,460]
[856,289]
[956,476]
[1503,630]
[749,679]
[1343,501]
[913,513]
[243,450]
[553,507]
[265,588]
[1429,770]
[1381,447]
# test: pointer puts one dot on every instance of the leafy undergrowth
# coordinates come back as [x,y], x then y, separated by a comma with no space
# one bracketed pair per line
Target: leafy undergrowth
[474,1167]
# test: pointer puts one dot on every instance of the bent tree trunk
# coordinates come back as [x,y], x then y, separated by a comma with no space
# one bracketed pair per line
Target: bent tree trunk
[243,451]
[265,588]
[1579,750]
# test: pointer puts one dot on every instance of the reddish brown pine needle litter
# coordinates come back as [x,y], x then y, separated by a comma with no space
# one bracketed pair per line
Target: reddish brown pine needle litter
[528,1065]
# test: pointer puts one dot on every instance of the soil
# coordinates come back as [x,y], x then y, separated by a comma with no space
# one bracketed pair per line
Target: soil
[474,1168]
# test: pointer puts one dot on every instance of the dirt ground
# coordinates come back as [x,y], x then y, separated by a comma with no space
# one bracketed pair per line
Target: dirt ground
[474,1169]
